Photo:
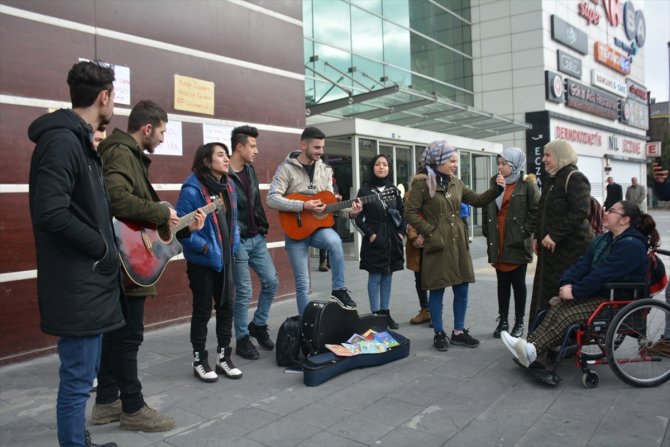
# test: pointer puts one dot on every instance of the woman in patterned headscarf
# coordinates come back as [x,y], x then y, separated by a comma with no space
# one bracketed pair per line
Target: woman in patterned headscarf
[433,211]
[563,232]
[509,224]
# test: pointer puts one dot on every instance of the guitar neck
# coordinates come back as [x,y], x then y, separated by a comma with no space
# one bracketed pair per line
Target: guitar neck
[189,218]
[338,206]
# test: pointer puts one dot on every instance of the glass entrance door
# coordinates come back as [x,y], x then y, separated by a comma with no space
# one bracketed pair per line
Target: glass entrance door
[401,161]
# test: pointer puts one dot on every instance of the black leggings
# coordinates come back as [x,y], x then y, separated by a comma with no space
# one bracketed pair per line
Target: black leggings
[516,279]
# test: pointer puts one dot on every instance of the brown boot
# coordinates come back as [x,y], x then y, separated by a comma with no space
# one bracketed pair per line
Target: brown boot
[422,317]
[147,420]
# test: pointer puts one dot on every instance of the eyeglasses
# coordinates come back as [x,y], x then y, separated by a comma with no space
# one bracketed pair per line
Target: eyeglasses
[615,212]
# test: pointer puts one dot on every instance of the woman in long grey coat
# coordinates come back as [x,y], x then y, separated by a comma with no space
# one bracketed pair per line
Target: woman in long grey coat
[563,232]
[433,209]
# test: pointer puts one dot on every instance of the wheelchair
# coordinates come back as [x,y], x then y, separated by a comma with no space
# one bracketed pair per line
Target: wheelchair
[623,334]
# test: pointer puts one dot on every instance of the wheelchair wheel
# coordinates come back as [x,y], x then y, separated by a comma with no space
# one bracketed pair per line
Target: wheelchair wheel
[632,343]
[590,379]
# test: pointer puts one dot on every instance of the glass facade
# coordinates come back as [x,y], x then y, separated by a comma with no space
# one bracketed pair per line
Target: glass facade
[354,46]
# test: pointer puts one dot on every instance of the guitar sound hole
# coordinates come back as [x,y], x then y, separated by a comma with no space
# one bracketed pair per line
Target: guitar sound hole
[164,233]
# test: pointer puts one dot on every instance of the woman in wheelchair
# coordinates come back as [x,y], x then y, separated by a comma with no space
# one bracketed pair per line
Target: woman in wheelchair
[618,255]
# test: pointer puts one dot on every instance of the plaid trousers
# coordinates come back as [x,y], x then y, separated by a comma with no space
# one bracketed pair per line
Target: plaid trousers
[558,319]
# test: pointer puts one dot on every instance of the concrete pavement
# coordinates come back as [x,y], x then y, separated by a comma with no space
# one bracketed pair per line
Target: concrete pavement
[464,397]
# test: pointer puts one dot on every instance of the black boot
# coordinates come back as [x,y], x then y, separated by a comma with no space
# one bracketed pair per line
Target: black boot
[391,322]
[517,330]
[201,368]
[503,325]
[89,443]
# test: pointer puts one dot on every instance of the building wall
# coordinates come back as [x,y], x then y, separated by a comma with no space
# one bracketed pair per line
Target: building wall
[258,80]
[512,49]
[508,60]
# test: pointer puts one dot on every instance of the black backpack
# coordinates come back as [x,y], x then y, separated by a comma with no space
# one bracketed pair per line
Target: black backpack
[287,348]
[595,216]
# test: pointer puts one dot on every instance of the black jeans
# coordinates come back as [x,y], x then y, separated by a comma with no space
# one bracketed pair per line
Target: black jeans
[118,362]
[516,279]
[422,294]
[207,286]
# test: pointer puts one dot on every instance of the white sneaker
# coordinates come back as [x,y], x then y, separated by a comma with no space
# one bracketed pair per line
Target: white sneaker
[509,342]
[525,351]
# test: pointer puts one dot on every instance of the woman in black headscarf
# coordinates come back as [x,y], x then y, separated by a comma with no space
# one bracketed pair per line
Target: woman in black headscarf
[383,229]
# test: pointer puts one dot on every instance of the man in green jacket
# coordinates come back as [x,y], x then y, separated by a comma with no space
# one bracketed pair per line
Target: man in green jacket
[126,170]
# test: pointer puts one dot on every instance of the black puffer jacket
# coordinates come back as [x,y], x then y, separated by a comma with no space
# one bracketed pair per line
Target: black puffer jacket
[385,253]
[78,272]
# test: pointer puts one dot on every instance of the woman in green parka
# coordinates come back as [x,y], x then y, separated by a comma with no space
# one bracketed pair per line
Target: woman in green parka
[509,224]
[433,209]
[563,233]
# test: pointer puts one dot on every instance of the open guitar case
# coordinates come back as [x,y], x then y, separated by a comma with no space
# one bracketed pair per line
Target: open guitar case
[326,322]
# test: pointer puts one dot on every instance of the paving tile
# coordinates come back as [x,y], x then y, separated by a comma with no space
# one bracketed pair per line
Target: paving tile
[286,431]
[558,432]
[358,427]
[464,397]
[321,414]
[325,439]
[404,436]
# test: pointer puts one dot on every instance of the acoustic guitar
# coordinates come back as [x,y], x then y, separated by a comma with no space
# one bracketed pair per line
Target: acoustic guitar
[299,225]
[145,249]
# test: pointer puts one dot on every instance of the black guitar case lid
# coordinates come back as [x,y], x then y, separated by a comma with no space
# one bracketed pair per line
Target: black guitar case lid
[328,322]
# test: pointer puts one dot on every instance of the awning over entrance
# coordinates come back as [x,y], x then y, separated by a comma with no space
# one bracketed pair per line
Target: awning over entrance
[407,107]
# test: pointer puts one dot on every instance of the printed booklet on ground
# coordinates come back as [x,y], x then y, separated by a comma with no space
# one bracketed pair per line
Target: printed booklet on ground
[370,342]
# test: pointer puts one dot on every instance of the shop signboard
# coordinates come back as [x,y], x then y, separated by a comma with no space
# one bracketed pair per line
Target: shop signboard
[598,141]
[536,138]
[634,113]
[608,83]
[591,100]
[636,91]
[569,65]
[653,149]
[569,35]
[611,58]
[554,88]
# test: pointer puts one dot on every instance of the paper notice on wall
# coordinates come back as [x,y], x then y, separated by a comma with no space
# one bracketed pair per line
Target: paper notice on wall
[193,95]
[214,133]
[121,82]
[172,142]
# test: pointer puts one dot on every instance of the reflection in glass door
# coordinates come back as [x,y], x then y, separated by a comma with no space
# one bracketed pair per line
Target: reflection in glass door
[401,161]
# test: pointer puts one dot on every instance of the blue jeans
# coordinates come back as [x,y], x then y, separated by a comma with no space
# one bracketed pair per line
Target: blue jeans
[379,289]
[298,257]
[460,306]
[79,359]
[253,252]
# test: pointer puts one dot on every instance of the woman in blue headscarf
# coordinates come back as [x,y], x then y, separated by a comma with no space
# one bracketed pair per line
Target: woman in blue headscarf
[433,210]
[509,224]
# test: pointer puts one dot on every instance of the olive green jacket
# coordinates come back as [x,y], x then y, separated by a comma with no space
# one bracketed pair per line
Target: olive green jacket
[446,253]
[126,170]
